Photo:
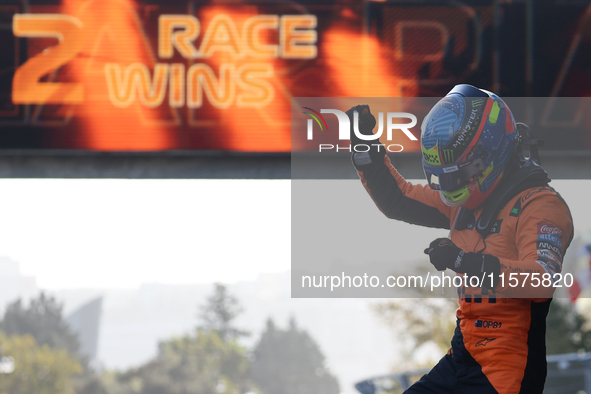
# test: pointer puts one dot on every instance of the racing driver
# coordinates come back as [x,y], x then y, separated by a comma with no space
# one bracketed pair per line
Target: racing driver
[503,218]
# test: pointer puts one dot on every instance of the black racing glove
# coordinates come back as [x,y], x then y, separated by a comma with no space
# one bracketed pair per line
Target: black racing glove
[364,156]
[444,254]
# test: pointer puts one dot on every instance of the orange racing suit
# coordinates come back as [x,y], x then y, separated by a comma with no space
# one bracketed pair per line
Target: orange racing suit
[501,329]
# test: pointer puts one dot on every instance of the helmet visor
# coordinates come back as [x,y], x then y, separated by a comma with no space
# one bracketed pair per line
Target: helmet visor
[453,177]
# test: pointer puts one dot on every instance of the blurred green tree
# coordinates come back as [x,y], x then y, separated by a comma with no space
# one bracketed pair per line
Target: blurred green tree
[37,369]
[208,361]
[290,362]
[418,322]
[567,330]
[201,363]
[219,312]
[43,320]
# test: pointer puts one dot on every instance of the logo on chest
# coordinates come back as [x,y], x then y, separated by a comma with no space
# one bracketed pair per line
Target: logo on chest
[472,223]
[496,227]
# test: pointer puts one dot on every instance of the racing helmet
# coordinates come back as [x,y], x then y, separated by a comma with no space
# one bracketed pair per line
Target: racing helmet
[467,141]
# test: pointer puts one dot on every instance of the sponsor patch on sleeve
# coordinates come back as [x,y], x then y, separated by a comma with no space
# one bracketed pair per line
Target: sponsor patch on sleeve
[552,238]
[549,266]
[546,254]
[543,245]
[549,242]
[548,228]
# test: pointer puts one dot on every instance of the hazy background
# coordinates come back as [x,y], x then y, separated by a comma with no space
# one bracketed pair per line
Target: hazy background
[153,249]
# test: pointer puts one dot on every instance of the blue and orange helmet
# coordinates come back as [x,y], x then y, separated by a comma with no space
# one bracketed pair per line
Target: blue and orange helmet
[467,140]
